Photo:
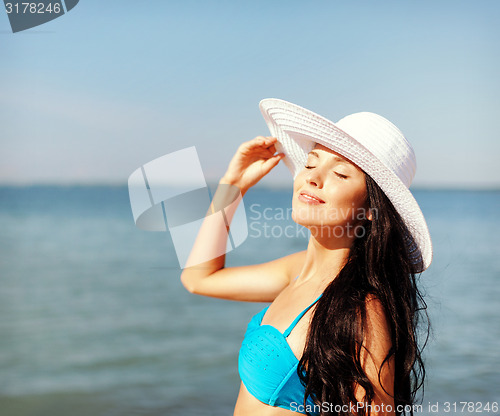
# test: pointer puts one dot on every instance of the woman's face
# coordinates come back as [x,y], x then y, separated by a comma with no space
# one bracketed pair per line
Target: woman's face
[329,194]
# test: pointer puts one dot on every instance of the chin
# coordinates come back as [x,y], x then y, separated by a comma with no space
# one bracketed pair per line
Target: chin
[306,219]
[308,215]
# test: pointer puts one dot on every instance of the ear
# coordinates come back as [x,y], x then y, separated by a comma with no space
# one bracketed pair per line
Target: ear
[367,211]
[369,215]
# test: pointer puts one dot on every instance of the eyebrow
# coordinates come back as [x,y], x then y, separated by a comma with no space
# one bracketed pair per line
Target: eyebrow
[335,157]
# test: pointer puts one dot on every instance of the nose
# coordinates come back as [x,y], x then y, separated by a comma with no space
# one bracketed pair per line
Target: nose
[313,178]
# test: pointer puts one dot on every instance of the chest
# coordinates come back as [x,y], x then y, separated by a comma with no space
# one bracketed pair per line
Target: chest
[289,316]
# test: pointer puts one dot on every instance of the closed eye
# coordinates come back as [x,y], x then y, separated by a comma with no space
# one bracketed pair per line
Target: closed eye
[340,175]
[309,167]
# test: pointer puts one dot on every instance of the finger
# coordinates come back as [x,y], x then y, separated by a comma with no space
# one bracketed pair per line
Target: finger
[272,162]
[270,140]
[267,151]
[259,141]
[272,149]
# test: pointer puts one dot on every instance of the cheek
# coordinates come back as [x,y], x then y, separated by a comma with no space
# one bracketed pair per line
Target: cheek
[299,181]
[348,199]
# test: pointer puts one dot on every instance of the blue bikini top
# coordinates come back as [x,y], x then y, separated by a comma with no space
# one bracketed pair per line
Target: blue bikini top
[268,367]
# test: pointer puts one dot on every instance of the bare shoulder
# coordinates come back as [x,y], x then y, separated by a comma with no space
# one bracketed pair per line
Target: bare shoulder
[377,330]
[376,317]
[376,360]
[373,304]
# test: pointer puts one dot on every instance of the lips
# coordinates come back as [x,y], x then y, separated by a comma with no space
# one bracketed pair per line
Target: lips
[310,198]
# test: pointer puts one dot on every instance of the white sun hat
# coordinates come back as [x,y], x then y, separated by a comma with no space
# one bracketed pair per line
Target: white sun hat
[368,140]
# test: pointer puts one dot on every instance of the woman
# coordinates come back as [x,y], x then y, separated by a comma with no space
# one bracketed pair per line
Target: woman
[340,336]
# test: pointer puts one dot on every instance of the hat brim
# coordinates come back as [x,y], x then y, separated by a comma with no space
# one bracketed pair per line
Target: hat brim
[298,130]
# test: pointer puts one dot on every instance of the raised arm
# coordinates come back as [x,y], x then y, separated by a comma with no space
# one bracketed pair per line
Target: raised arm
[260,282]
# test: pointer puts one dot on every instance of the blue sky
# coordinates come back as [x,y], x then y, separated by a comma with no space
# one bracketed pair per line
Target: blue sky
[94,94]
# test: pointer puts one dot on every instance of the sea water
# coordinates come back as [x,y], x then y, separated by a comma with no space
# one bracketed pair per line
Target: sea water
[94,319]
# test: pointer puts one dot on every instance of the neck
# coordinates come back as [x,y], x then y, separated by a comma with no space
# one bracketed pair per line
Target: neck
[325,258]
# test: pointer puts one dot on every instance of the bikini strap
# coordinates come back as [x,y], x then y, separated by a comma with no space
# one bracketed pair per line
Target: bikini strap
[297,319]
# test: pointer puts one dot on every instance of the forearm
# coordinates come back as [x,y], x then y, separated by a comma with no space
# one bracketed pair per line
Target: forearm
[208,252]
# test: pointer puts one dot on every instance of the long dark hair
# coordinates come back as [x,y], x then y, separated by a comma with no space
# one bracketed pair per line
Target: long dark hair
[380,264]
